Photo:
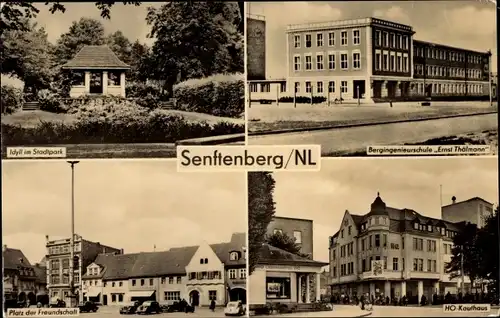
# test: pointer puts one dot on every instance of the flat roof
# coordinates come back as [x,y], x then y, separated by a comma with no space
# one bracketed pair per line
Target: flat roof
[290,218]
[448,46]
[468,200]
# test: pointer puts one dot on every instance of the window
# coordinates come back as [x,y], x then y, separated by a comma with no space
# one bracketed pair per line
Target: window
[308,87]
[77,79]
[415,264]
[349,230]
[296,63]
[142,282]
[283,87]
[243,273]
[343,38]
[151,282]
[172,296]
[395,264]
[253,87]
[331,61]
[113,284]
[308,62]
[308,40]
[378,38]
[363,244]
[331,39]
[370,242]
[420,265]
[233,256]
[392,62]
[385,240]
[344,61]
[133,282]
[319,87]
[434,266]
[363,265]
[385,61]
[385,39]
[429,265]
[356,60]
[378,58]
[298,237]
[232,273]
[319,39]
[398,63]
[297,90]
[392,40]
[114,79]
[179,280]
[377,240]
[331,87]
[385,262]
[405,42]
[415,226]
[265,87]
[296,40]
[355,37]
[405,63]
[343,87]
[319,62]
[398,41]
[342,234]
[278,288]
[202,261]
[65,264]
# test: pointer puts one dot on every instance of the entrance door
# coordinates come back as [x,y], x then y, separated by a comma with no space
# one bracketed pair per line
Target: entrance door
[238,294]
[104,300]
[359,89]
[95,83]
[194,298]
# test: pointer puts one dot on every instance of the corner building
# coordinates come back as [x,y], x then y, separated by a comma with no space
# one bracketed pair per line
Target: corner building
[373,60]
[412,250]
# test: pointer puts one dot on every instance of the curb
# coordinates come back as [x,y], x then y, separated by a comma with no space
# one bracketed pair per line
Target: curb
[214,140]
[293,130]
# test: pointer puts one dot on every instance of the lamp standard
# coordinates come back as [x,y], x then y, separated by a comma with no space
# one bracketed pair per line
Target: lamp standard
[72,239]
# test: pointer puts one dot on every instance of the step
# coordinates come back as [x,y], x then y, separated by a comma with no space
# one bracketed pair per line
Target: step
[31,106]
[167,105]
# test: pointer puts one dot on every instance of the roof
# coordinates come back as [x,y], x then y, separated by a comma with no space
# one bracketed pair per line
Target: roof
[164,263]
[469,200]
[415,41]
[14,258]
[290,218]
[275,256]
[96,57]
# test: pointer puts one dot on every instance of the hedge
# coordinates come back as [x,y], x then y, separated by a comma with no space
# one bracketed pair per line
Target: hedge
[298,99]
[146,95]
[219,95]
[119,122]
[12,99]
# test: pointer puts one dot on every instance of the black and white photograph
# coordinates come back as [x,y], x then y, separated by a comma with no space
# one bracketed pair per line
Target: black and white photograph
[379,238]
[352,74]
[122,80]
[165,243]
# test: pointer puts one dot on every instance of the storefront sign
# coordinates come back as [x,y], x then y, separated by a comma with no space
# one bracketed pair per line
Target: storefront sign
[273,287]
[377,268]
[282,267]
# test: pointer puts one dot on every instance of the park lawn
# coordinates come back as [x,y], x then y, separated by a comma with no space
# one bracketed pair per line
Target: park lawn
[282,119]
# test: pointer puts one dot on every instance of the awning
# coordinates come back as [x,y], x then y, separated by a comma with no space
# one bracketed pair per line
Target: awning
[141,293]
[92,292]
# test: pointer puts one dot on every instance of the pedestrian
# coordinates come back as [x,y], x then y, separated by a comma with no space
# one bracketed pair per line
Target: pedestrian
[212,305]
[362,301]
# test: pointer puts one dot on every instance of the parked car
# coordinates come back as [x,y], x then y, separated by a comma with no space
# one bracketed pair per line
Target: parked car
[149,307]
[88,306]
[130,308]
[234,308]
[180,306]
[58,304]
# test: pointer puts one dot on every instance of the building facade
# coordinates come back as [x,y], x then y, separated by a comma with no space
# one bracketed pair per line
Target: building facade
[474,210]
[374,60]
[96,70]
[394,252]
[198,274]
[299,229]
[58,265]
[19,278]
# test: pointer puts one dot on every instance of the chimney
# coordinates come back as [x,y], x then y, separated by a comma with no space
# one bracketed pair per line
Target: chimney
[46,237]
[454,199]
[4,248]
[121,251]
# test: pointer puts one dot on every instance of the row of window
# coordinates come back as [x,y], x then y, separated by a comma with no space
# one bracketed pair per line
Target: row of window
[346,269]
[444,88]
[349,228]
[320,41]
[373,240]
[418,245]
[379,220]
[62,249]
[319,61]
[447,248]
[430,228]
[205,275]
[346,250]
[320,87]
[418,265]
[78,78]
[441,54]
[445,71]
[176,295]
[391,61]
[56,279]
[391,40]
[237,273]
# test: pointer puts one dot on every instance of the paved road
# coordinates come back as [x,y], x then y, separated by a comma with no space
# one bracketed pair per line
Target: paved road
[345,140]
[113,312]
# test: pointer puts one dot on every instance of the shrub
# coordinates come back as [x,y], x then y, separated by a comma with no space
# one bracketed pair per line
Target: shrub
[219,95]
[146,95]
[12,99]
[50,101]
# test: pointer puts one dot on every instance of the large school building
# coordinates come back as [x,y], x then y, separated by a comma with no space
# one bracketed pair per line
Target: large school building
[374,60]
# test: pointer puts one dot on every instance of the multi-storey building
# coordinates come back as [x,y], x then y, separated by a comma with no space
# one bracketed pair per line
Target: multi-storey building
[474,210]
[58,265]
[299,229]
[198,274]
[371,60]
[393,252]
[20,279]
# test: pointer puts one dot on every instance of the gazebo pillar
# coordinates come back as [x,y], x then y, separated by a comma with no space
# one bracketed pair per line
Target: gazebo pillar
[104,82]
[87,82]
[122,84]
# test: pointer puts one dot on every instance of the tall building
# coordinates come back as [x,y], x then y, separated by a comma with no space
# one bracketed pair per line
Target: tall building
[58,265]
[299,229]
[474,210]
[256,47]
[198,274]
[394,252]
[374,60]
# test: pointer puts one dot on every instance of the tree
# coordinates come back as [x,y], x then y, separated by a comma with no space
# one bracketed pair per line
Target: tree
[120,45]
[488,246]
[261,210]
[86,31]
[140,61]
[285,242]
[27,55]
[195,39]
[465,242]
[13,13]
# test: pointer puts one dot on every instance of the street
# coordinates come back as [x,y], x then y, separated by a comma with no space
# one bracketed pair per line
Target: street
[347,140]
[114,312]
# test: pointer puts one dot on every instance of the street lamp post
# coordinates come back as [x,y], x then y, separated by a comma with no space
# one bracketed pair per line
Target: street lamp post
[462,270]
[72,239]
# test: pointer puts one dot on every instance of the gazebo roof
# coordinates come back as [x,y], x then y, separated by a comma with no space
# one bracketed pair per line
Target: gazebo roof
[96,57]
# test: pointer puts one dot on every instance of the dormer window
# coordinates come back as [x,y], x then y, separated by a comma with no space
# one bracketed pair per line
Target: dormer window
[429,228]
[443,231]
[416,226]
[234,256]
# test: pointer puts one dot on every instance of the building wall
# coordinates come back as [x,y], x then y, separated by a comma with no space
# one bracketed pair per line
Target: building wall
[113,287]
[168,285]
[474,211]
[256,49]
[391,42]
[290,225]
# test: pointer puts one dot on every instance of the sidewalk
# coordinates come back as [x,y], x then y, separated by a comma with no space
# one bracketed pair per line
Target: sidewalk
[338,311]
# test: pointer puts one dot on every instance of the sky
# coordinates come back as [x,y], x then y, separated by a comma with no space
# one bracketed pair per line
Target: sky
[352,184]
[469,24]
[132,205]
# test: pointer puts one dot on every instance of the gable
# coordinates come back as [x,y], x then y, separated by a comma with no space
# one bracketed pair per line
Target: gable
[204,259]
